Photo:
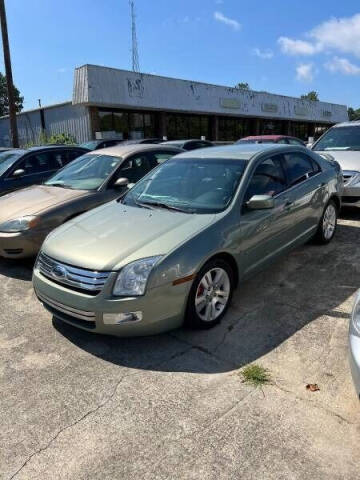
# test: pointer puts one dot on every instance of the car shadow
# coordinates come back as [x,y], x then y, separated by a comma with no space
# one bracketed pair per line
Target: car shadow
[350,213]
[308,284]
[18,269]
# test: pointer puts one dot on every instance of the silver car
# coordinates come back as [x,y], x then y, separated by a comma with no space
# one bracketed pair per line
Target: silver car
[354,344]
[342,142]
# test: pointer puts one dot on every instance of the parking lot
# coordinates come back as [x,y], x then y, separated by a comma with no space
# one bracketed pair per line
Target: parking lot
[80,406]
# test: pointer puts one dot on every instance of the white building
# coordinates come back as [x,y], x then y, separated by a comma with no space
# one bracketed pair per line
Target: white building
[134,105]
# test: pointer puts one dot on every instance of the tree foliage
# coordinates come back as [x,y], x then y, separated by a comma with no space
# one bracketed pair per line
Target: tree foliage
[4,100]
[243,86]
[354,114]
[313,96]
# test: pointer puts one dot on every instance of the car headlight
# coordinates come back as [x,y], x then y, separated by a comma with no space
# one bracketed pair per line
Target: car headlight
[132,279]
[354,177]
[19,224]
[355,316]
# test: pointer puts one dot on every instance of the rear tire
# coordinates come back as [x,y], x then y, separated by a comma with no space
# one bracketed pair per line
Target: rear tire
[327,225]
[210,295]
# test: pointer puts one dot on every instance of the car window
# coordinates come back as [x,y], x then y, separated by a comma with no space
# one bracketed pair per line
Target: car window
[340,138]
[293,141]
[37,163]
[7,159]
[160,157]
[268,178]
[134,168]
[71,155]
[283,140]
[299,167]
[109,143]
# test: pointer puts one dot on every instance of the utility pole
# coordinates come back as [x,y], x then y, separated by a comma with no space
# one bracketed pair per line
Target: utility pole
[9,80]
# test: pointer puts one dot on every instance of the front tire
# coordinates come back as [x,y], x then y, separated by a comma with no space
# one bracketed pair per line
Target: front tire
[328,224]
[210,295]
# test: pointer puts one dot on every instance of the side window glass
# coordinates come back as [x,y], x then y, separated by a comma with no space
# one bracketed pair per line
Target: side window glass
[293,141]
[268,178]
[71,155]
[299,167]
[135,168]
[283,140]
[157,158]
[36,163]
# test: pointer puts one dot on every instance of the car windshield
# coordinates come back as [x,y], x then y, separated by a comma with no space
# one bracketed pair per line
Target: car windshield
[90,145]
[340,138]
[191,185]
[7,159]
[87,172]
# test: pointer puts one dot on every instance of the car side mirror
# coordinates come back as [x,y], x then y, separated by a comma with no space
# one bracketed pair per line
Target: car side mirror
[260,202]
[121,183]
[18,173]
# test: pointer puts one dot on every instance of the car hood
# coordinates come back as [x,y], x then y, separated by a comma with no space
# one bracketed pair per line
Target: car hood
[114,234]
[348,160]
[34,200]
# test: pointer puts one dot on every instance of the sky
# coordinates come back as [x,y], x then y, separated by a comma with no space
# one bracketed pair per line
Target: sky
[287,48]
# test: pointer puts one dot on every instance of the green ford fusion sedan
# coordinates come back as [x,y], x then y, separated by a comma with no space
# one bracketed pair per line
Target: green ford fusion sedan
[174,248]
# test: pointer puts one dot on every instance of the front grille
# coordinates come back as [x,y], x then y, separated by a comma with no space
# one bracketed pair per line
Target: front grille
[82,317]
[13,251]
[78,279]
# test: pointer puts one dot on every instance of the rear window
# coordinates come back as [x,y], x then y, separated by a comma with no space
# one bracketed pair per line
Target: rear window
[340,138]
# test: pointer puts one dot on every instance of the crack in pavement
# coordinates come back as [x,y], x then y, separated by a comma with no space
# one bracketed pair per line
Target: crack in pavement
[316,405]
[93,410]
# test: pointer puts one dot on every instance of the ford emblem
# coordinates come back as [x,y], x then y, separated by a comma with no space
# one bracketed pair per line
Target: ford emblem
[59,272]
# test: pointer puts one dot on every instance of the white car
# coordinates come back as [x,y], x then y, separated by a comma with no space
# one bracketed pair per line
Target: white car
[354,344]
[342,142]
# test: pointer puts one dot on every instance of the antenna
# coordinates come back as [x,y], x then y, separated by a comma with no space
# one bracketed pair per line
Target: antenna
[135,53]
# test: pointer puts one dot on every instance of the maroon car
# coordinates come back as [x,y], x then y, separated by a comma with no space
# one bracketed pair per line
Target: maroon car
[284,139]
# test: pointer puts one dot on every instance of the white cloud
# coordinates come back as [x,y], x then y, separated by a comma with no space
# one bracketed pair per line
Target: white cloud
[265,54]
[219,17]
[305,72]
[336,34]
[296,47]
[342,65]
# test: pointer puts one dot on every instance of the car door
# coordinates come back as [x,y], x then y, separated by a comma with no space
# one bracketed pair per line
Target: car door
[265,233]
[306,192]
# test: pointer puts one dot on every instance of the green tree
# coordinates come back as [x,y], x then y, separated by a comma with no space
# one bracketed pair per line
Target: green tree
[243,86]
[313,96]
[354,114]
[4,100]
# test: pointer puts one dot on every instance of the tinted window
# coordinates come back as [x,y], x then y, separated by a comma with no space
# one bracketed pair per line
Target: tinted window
[38,163]
[293,141]
[90,145]
[160,157]
[299,167]
[72,154]
[282,140]
[340,138]
[135,168]
[268,178]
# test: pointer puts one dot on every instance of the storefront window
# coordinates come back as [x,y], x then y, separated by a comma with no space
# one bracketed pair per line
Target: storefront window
[232,129]
[180,127]
[131,125]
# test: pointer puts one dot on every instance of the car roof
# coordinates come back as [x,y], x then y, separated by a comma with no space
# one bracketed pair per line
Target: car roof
[265,137]
[124,150]
[354,123]
[47,147]
[238,151]
[185,141]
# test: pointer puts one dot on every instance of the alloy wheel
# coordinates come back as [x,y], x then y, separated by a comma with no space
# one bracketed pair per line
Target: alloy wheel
[212,294]
[329,221]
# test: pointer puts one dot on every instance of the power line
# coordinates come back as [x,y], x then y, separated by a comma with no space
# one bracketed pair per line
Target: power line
[135,53]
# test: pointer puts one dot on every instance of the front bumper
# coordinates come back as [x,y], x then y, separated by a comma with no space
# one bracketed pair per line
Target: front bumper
[21,244]
[354,358]
[162,308]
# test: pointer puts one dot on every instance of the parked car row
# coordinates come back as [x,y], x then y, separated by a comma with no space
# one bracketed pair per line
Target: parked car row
[139,238]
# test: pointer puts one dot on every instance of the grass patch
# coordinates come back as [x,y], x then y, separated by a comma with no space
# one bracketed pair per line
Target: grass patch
[256,375]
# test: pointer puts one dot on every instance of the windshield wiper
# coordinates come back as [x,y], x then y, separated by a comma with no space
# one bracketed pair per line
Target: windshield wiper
[164,205]
[58,184]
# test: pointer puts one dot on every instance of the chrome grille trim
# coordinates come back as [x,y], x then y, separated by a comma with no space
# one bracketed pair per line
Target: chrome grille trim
[72,312]
[80,278]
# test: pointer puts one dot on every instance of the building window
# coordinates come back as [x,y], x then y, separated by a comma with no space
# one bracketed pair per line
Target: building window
[179,126]
[232,129]
[128,125]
